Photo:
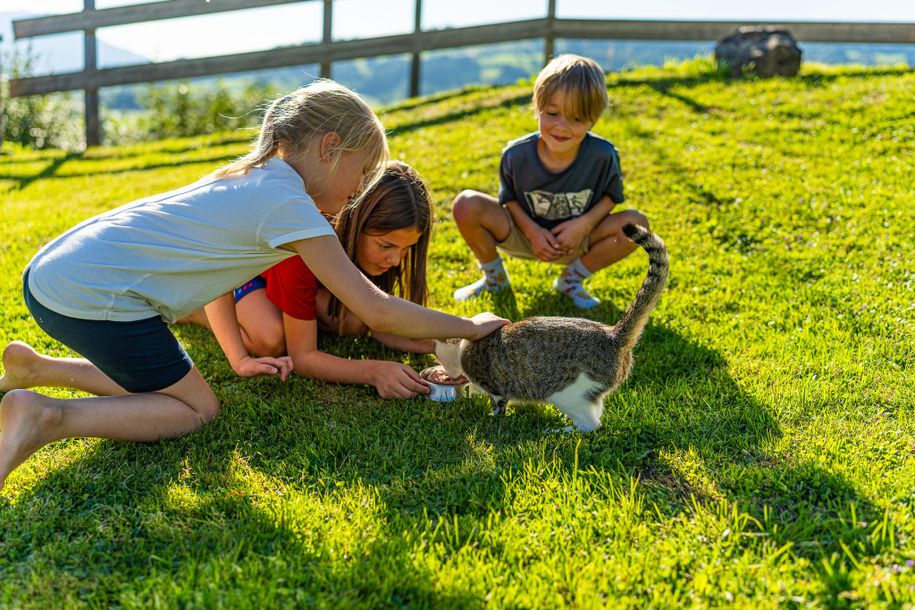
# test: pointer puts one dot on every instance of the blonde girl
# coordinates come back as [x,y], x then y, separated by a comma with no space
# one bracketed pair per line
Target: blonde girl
[387,236]
[108,287]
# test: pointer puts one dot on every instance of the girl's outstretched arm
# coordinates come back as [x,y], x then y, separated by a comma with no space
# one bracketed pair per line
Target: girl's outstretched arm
[416,346]
[391,379]
[380,311]
[353,326]
[224,323]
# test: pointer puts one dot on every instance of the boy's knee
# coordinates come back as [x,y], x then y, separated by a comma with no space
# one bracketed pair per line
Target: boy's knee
[637,218]
[466,206]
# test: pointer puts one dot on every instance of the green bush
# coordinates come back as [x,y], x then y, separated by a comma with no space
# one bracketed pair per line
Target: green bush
[180,109]
[36,121]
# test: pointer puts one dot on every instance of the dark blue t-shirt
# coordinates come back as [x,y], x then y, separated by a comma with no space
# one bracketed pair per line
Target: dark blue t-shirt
[549,198]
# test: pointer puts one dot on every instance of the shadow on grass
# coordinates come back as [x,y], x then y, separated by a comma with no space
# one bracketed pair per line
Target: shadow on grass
[681,399]
[665,82]
[181,528]
[420,102]
[179,513]
[663,87]
[48,172]
[183,519]
[120,154]
[464,113]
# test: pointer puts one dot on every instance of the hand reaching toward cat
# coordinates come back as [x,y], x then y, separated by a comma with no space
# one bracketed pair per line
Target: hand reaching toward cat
[486,323]
[397,380]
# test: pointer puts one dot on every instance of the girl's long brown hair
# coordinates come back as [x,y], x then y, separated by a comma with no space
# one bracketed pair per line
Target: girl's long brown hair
[398,200]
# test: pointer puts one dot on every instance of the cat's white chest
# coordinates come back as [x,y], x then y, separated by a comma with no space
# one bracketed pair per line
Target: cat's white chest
[578,391]
[582,402]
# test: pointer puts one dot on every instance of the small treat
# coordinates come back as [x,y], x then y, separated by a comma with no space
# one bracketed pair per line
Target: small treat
[438,374]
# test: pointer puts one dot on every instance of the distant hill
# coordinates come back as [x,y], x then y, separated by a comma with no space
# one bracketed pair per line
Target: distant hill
[63,52]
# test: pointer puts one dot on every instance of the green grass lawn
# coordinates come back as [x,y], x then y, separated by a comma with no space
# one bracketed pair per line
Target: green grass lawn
[761,455]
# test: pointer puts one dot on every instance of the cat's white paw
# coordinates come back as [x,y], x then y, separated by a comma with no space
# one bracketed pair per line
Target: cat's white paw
[565,430]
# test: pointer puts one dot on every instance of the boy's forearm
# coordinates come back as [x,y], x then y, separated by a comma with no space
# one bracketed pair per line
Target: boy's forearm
[597,213]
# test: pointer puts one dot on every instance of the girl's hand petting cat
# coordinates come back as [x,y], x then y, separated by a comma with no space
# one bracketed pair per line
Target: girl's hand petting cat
[544,244]
[571,233]
[486,323]
[251,367]
[397,380]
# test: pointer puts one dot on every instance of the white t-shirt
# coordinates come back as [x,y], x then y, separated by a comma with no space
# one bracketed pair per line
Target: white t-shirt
[171,254]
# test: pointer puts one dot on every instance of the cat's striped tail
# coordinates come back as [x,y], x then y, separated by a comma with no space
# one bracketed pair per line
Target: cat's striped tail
[630,326]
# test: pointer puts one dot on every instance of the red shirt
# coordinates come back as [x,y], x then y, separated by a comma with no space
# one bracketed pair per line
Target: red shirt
[293,288]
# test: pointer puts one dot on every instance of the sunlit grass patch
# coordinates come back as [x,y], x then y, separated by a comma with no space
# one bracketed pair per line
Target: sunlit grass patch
[761,455]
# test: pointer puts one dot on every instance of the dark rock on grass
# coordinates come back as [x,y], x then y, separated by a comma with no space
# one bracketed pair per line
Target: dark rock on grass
[764,50]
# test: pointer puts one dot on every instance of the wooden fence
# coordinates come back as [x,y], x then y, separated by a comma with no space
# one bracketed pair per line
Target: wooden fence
[325,52]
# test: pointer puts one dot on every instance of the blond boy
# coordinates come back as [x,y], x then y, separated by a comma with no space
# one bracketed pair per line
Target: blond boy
[558,187]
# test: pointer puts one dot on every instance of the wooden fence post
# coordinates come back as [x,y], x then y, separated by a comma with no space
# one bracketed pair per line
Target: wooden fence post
[550,27]
[91,94]
[328,34]
[415,60]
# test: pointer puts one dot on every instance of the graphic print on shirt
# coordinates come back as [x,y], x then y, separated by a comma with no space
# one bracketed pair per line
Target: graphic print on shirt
[553,206]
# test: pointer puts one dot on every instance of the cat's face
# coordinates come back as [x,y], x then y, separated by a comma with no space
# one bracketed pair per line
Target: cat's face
[449,352]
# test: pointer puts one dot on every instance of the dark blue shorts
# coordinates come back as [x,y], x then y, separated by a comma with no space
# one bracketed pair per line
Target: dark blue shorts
[240,292]
[140,356]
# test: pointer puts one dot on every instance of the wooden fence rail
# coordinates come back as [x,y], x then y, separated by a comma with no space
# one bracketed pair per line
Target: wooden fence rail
[327,51]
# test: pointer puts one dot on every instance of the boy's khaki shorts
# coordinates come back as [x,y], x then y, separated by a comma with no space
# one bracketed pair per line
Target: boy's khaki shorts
[519,246]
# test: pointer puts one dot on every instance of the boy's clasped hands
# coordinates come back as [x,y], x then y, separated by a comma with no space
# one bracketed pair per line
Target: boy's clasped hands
[552,244]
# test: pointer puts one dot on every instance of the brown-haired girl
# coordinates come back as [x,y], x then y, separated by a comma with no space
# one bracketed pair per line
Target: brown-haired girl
[280,312]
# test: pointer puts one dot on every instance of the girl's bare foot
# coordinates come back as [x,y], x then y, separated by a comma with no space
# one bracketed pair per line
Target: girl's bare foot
[27,421]
[19,364]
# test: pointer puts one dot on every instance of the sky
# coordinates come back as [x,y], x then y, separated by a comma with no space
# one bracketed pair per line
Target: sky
[264,28]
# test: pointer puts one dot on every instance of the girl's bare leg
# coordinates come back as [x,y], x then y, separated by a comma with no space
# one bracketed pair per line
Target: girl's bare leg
[261,324]
[23,367]
[29,421]
[198,317]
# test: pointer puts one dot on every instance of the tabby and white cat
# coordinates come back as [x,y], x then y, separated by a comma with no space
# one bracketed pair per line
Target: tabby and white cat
[571,363]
